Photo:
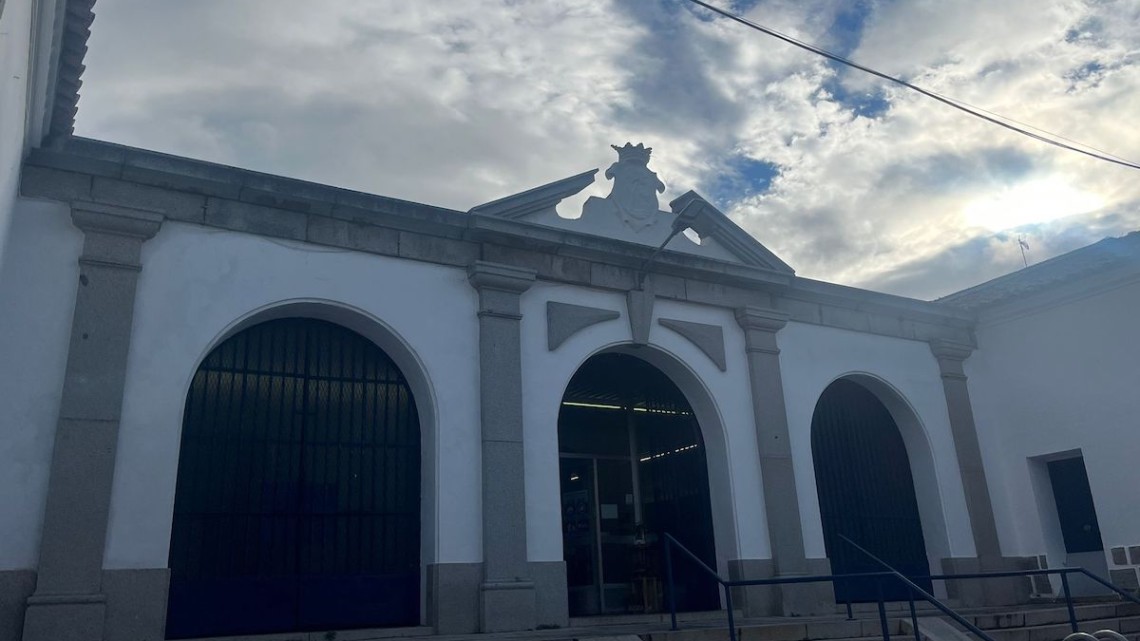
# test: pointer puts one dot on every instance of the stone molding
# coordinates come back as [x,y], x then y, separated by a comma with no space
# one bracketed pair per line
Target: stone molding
[707,338]
[196,192]
[563,320]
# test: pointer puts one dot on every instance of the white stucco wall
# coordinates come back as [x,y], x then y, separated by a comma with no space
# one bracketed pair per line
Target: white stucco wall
[38,279]
[811,357]
[196,287]
[15,49]
[721,401]
[1061,379]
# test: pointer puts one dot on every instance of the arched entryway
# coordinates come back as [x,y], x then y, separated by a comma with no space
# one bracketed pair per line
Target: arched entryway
[866,492]
[298,496]
[632,468]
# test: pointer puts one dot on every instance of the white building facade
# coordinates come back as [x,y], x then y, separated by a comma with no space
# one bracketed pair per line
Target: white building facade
[237,403]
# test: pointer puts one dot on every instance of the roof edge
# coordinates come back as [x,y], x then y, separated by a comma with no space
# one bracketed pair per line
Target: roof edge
[537,199]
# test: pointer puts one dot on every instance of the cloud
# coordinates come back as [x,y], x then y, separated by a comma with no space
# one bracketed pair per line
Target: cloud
[848,179]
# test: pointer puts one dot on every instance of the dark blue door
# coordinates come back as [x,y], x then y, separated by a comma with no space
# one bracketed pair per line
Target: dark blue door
[298,497]
[866,492]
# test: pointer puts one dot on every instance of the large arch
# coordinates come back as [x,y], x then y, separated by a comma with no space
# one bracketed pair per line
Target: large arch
[707,428]
[885,416]
[363,434]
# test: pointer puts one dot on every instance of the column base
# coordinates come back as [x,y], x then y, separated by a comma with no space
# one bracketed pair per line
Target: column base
[15,588]
[507,606]
[552,609]
[453,597]
[986,592]
[65,617]
[797,599]
[136,603]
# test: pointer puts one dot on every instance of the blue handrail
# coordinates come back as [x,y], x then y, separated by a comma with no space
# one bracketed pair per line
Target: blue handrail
[891,573]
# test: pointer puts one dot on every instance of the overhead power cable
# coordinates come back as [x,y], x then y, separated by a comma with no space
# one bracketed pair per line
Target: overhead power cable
[990,117]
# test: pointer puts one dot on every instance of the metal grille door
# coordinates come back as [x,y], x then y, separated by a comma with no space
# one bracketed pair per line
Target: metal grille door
[866,492]
[298,497]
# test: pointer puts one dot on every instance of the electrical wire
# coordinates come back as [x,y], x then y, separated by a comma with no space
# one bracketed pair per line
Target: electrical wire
[969,109]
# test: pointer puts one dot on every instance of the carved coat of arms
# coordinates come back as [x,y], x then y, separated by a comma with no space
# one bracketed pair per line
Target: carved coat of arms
[634,195]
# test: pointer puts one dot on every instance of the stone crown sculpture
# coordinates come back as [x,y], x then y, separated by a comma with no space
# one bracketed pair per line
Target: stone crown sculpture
[633,197]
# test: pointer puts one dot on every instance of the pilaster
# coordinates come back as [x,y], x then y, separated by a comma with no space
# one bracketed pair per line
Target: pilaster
[781,498]
[507,594]
[68,603]
[951,356]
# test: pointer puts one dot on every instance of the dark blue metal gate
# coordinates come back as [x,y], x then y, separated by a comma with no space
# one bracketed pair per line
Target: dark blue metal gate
[866,492]
[298,497]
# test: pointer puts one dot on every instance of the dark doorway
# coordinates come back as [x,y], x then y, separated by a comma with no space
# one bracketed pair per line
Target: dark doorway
[298,497]
[632,468]
[866,492]
[1079,526]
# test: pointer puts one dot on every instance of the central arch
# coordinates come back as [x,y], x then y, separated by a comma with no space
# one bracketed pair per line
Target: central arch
[632,467]
[866,491]
[297,505]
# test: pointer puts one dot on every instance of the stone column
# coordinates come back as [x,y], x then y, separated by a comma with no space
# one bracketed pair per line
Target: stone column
[950,356]
[507,595]
[68,603]
[781,499]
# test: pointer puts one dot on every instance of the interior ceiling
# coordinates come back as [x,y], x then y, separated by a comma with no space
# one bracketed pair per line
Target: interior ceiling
[620,379]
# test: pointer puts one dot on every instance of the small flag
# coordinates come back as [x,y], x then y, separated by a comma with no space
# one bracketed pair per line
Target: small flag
[1021,241]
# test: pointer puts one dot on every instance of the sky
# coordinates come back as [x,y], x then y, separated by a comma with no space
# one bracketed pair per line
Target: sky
[845,177]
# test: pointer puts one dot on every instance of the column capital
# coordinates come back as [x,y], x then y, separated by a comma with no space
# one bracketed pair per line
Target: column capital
[113,236]
[761,319]
[950,355]
[118,221]
[498,277]
[950,350]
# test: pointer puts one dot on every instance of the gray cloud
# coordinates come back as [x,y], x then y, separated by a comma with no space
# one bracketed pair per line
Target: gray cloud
[458,103]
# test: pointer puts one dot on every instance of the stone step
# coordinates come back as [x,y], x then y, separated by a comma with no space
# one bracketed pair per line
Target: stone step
[1129,626]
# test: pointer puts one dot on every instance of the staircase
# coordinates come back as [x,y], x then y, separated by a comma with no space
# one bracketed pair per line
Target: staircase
[1024,623]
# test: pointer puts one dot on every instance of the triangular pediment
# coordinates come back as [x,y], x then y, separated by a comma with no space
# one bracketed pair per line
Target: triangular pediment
[630,213]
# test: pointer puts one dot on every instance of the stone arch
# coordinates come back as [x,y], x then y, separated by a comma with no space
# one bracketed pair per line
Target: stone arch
[713,433]
[410,366]
[920,457]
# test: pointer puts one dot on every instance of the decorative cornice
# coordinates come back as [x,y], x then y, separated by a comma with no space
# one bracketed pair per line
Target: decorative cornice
[537,199]
[563,320]
[707,338]
[760,319]
[710,222]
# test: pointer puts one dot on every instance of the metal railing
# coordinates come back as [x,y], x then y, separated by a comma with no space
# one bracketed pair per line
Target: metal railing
[890,574]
